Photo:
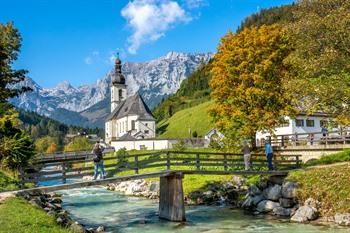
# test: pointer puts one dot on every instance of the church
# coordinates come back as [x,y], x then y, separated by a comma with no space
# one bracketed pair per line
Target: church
[130,117]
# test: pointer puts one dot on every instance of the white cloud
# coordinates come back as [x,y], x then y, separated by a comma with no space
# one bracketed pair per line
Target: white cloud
[88,60]
[93,57]
[191,4]
[150,19]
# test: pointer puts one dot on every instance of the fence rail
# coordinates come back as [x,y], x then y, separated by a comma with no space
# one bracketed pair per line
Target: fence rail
[312,138]
[193,162]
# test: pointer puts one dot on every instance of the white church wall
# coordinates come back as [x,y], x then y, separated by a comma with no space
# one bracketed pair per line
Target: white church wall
[147,127]
[160,144]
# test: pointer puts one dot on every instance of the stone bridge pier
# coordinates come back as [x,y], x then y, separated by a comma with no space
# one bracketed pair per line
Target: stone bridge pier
[171,198]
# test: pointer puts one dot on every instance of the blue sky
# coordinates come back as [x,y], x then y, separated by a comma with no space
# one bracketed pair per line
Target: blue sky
[76,40]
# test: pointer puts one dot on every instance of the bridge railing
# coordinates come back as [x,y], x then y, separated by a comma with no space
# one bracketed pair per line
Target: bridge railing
[312,138]
[191,162]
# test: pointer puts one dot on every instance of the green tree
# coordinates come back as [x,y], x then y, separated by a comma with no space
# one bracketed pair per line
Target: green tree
[79,144]
[10,43]
[247,83]
[16,146]
[320,80]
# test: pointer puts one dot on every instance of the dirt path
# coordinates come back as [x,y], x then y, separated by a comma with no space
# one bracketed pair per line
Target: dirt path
[5,195]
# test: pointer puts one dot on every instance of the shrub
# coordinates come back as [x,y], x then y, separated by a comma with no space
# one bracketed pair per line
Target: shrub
[121,158]
[16,151]
[194,134]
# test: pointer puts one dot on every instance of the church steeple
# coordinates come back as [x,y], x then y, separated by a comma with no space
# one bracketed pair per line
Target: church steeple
[118,88]
[118,77]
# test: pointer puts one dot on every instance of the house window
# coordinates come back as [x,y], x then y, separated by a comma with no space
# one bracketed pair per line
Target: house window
[310,123]
[299,122]
[146,131]
[146,124]
[132,125]
[284,123]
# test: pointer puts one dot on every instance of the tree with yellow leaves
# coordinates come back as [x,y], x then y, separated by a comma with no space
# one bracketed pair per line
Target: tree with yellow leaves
[247,83]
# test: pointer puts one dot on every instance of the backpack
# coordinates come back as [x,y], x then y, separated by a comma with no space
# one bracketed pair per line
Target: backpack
[97,155]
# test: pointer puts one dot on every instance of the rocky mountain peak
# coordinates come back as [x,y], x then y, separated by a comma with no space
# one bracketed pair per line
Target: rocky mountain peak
[154,79]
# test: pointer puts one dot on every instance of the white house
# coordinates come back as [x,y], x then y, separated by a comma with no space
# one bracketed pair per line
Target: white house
[302,124]
[130,117]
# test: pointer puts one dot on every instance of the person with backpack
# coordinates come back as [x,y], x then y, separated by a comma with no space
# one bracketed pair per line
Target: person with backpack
[269,154]
[98,160]
[246,155]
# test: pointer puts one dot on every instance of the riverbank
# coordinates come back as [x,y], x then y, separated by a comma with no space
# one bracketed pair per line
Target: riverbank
[314,194]
[17,215]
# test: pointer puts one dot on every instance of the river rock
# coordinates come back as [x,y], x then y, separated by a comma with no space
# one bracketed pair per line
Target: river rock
[286,202]
[209,197]
[289,189]
[312,203]
[277,179]
[154,186]
[77,228]
[342,219]
[37,202]
[280,211]
[273,193]
[248,203]
[305,214]
[267,206]
[253,190]
[238,181]
[262,185]
[100,229]
[56,200]
[60,220]
[257,199]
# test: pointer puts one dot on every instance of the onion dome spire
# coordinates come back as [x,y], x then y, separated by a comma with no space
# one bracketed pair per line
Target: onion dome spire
[118,77]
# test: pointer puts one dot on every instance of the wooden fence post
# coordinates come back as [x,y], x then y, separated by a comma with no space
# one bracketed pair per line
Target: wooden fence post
[64,172]
[198,166]
[298,161]
[167,160]
[225,162]
[136,164]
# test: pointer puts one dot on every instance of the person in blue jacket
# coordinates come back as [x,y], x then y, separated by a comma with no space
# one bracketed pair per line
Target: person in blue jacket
[269,154]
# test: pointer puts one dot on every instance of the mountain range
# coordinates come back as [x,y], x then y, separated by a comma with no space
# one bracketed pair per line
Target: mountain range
[89,105]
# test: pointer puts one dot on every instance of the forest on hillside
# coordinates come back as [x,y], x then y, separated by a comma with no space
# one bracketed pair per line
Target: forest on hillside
[195,89]
[280,62]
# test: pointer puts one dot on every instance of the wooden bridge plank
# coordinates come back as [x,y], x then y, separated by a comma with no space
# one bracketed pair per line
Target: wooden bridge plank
[100,182]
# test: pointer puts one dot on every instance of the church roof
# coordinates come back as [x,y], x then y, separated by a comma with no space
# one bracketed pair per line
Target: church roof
[134,105]
[126,137]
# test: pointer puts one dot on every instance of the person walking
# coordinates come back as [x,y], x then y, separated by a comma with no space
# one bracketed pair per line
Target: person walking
[269,154]
[246,156]
[98,160]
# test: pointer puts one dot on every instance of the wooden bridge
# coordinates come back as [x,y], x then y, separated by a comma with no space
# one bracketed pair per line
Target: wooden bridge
[170,166]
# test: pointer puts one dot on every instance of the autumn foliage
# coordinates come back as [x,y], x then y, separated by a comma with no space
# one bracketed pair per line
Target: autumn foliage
[247,83]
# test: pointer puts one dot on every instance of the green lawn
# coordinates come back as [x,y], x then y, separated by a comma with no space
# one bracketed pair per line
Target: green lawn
[342,156]
[190,183]
[178,125]
[17,215]
[328,184]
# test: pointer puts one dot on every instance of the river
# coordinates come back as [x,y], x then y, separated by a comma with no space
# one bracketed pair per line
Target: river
[96,206]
